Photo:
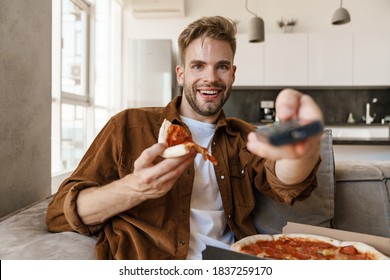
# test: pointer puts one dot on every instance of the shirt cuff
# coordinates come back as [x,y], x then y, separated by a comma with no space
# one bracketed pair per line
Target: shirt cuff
[288,193]
[70,209]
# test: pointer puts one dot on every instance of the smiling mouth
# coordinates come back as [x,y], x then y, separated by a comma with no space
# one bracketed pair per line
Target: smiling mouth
[208,92]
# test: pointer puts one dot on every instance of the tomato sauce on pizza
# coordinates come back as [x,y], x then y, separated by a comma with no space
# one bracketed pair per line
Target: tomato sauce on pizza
[298,249]
[180,142]
[305,247]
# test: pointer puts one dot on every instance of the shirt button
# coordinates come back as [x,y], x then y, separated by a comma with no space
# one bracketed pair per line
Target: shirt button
[214,143]
[242,171]
[181,242]
[222,177]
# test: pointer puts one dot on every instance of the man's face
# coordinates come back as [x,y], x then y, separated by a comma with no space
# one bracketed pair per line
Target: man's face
[207,77]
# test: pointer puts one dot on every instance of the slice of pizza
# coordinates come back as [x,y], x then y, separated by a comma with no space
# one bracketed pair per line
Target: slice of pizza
[305,247]
[180,142]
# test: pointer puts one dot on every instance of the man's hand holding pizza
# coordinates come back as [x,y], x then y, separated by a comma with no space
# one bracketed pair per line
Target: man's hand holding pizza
[151,180]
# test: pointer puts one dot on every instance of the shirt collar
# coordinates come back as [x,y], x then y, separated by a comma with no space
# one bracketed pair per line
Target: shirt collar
[171,113]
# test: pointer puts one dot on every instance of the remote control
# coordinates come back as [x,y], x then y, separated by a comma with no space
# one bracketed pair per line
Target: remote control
[289,132]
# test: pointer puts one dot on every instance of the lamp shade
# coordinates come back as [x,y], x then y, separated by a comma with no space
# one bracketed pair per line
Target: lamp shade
[341,16]
[256,30]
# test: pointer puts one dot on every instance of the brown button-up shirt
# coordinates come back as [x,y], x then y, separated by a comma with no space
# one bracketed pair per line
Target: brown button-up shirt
[160,228]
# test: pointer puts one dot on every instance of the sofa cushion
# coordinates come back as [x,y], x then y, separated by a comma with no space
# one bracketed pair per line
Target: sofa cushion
[24,236]
[318,209]
[362,197]
[362,170]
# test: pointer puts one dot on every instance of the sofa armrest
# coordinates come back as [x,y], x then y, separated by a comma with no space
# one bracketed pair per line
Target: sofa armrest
[362,197]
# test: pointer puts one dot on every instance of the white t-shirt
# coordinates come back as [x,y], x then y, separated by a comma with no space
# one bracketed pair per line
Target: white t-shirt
[207,220]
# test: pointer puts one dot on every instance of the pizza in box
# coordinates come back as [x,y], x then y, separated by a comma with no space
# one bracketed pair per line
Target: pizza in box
[305,247]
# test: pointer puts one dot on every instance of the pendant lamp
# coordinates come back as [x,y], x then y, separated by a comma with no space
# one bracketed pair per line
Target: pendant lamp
[341,15]
[256,27]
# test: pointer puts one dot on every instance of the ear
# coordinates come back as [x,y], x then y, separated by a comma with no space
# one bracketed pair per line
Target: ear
[234,73]
[180,75]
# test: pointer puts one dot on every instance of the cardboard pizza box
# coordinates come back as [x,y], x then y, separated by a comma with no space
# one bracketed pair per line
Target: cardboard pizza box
[214,253]
[382,244]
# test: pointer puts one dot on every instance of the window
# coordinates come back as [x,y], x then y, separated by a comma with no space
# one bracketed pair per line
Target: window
[73,134]
[75,95]
[86,73]
[75,49]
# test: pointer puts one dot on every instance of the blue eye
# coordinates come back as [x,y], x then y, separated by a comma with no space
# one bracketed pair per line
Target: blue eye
[223,67]
[197,66]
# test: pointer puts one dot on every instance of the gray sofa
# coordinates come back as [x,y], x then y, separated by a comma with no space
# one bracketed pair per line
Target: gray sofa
[353,196]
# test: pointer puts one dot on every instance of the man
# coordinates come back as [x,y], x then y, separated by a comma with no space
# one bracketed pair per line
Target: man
[142,206]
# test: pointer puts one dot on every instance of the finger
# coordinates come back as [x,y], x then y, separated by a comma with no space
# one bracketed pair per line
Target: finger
[148,155]
[287,104]
[173,165]
[308,109]
[266,150]
[291,104]
[161,178]
[172,171]
[153,173]
[155,180]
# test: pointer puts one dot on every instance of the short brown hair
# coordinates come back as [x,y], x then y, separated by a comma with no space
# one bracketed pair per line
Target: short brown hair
[216,27]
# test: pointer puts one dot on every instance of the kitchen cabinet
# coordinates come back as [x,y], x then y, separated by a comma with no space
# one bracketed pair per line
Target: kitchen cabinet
[285,60]
[361,152]
[298,59]
[249,60]
[330,59]
[371,59]
[361,142]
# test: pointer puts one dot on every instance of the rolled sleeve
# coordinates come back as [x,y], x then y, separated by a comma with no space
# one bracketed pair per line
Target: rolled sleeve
[289,193]
[70,209]
[98,167]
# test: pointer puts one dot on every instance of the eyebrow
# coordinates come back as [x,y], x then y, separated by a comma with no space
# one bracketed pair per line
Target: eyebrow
[225,62]
[197,61]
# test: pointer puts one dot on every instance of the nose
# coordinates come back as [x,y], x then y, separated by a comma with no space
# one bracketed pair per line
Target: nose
[210,75]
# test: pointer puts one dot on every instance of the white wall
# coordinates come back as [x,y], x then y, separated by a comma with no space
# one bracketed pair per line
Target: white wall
[314,16]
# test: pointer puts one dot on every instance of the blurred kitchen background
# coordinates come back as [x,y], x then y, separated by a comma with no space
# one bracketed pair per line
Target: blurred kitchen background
[336,104]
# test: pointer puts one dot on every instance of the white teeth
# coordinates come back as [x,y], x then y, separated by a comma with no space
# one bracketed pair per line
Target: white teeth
[208,92]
